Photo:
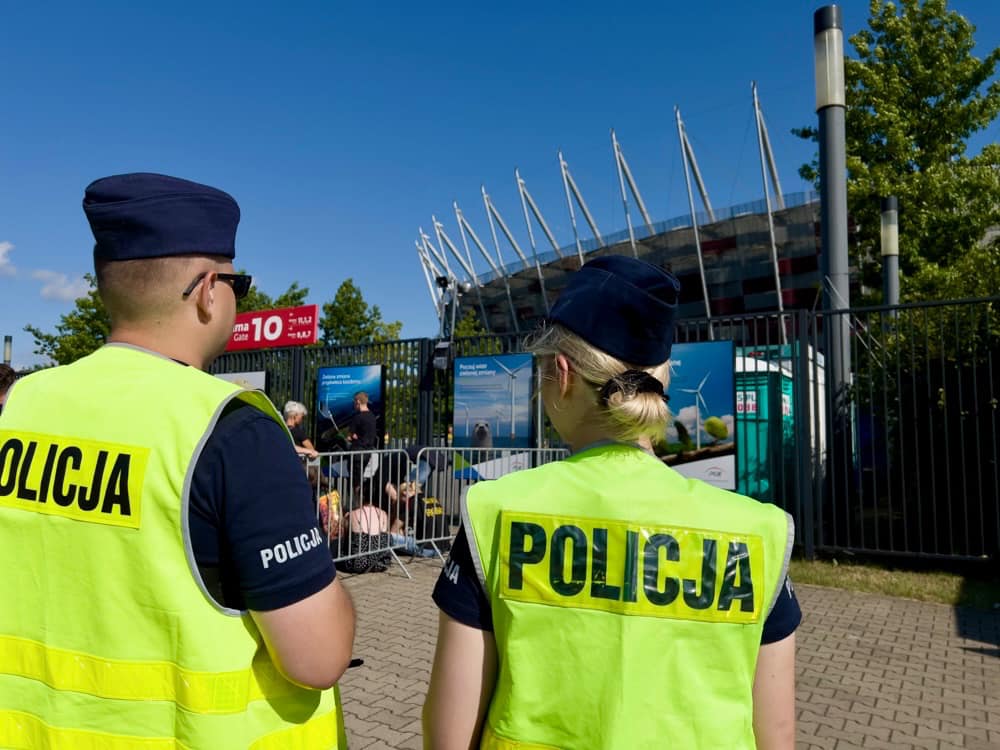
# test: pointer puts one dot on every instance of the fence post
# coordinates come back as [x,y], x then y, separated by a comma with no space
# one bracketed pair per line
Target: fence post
[425,394]
[298,375]
[805,469]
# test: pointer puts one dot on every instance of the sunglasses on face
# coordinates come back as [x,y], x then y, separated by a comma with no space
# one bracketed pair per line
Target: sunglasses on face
[240,282]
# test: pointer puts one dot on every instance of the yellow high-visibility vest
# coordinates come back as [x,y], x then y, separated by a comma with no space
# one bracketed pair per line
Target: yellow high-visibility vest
[108,638]
[628,603]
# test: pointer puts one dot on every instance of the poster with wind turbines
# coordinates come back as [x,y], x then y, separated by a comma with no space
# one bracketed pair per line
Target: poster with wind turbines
[699,441]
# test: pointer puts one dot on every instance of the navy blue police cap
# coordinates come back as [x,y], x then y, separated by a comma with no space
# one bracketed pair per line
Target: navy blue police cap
[623,306]
[144,215]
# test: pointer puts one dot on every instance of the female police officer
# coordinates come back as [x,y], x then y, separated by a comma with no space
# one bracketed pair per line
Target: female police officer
[605,601]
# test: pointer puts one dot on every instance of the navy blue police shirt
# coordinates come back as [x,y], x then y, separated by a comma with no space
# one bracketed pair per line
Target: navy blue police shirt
[252,518]
[459,594]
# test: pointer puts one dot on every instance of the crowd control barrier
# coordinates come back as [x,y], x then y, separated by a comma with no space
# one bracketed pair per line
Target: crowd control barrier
[377,506]
[357,507]
[445,475]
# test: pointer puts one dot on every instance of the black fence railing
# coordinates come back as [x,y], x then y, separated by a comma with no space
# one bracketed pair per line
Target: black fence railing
[902,458]
[913,444]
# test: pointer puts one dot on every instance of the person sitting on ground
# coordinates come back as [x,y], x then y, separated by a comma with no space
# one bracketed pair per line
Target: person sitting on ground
[403,504]
[370,520]
[295,414]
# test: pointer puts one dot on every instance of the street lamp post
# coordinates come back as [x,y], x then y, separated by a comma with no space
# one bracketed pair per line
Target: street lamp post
[831,103]
[7,344]
[890,252]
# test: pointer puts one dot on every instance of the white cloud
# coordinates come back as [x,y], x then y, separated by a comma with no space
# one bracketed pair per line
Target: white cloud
[687,417]
[59,286]
[730,423]
[6,267]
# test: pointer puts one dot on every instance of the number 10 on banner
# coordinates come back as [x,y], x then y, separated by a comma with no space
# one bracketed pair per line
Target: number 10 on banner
[290,326]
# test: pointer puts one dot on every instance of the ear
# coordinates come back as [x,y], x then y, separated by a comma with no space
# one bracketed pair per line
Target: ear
[205,296]
[564,373]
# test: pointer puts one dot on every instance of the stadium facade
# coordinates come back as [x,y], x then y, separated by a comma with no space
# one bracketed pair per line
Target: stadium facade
[758,257]
[736,253]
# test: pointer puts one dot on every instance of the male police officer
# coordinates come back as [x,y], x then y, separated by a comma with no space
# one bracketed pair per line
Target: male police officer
[165,584]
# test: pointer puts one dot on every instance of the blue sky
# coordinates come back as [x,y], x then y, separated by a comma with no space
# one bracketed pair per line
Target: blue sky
[341,128]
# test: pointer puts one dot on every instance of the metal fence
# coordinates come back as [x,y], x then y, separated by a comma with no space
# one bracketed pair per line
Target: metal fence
[457,469]
[913,440]
[902,459]
[378,506]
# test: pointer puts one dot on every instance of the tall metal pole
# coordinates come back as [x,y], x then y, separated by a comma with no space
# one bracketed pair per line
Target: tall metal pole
[890,251]
[621,184]
[522,186]
[770,216]
[569,204]
[694,221]
[427,276]
[568,179]
[531,238]
[443,239]
[500,271]
[831,103]
[7,345]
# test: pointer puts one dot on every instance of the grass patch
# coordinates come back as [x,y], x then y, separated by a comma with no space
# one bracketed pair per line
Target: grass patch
[977,591]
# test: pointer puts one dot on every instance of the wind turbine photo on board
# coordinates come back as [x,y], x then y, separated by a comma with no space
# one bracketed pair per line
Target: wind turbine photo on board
[699,402]
[512,374]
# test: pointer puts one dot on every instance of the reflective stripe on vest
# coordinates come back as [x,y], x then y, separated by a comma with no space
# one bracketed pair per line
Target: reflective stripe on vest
[114,633]
[492,741]
[201,692]
[627,601]
[23,731]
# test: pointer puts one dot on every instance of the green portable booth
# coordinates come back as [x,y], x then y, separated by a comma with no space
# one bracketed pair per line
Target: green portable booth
[765,427]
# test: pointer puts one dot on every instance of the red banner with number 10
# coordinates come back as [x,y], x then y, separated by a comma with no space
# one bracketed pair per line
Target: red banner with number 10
[289,326]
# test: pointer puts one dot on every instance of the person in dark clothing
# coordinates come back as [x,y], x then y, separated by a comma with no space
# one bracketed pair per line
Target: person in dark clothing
[295,415]
[363,438]
[364,435]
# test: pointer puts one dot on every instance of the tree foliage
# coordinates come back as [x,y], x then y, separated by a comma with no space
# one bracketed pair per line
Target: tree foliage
[469,325]
[259,300]
[915,94]
[87,326]
[348,319]
[79,332]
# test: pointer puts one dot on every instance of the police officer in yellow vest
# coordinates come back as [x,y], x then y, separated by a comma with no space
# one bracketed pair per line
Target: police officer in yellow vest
[165,583]
[605,601]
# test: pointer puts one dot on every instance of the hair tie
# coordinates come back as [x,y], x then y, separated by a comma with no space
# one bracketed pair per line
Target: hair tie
[632,383]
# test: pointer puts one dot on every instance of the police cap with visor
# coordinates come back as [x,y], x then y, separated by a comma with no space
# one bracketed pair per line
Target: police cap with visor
[143,215]
[623,306]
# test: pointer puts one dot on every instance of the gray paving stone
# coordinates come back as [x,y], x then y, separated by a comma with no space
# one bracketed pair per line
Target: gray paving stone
[872,671]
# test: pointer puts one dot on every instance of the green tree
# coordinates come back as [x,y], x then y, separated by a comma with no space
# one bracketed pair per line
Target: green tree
[348,319]
[469,325]
[915,94]
[87,326]
[78,333]
[259,300]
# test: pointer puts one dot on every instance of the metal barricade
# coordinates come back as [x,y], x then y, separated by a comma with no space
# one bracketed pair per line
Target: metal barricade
[380,504]
[357,506]
[445,475]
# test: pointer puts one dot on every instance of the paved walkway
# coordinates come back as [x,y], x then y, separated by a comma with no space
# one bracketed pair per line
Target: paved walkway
[873,672]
